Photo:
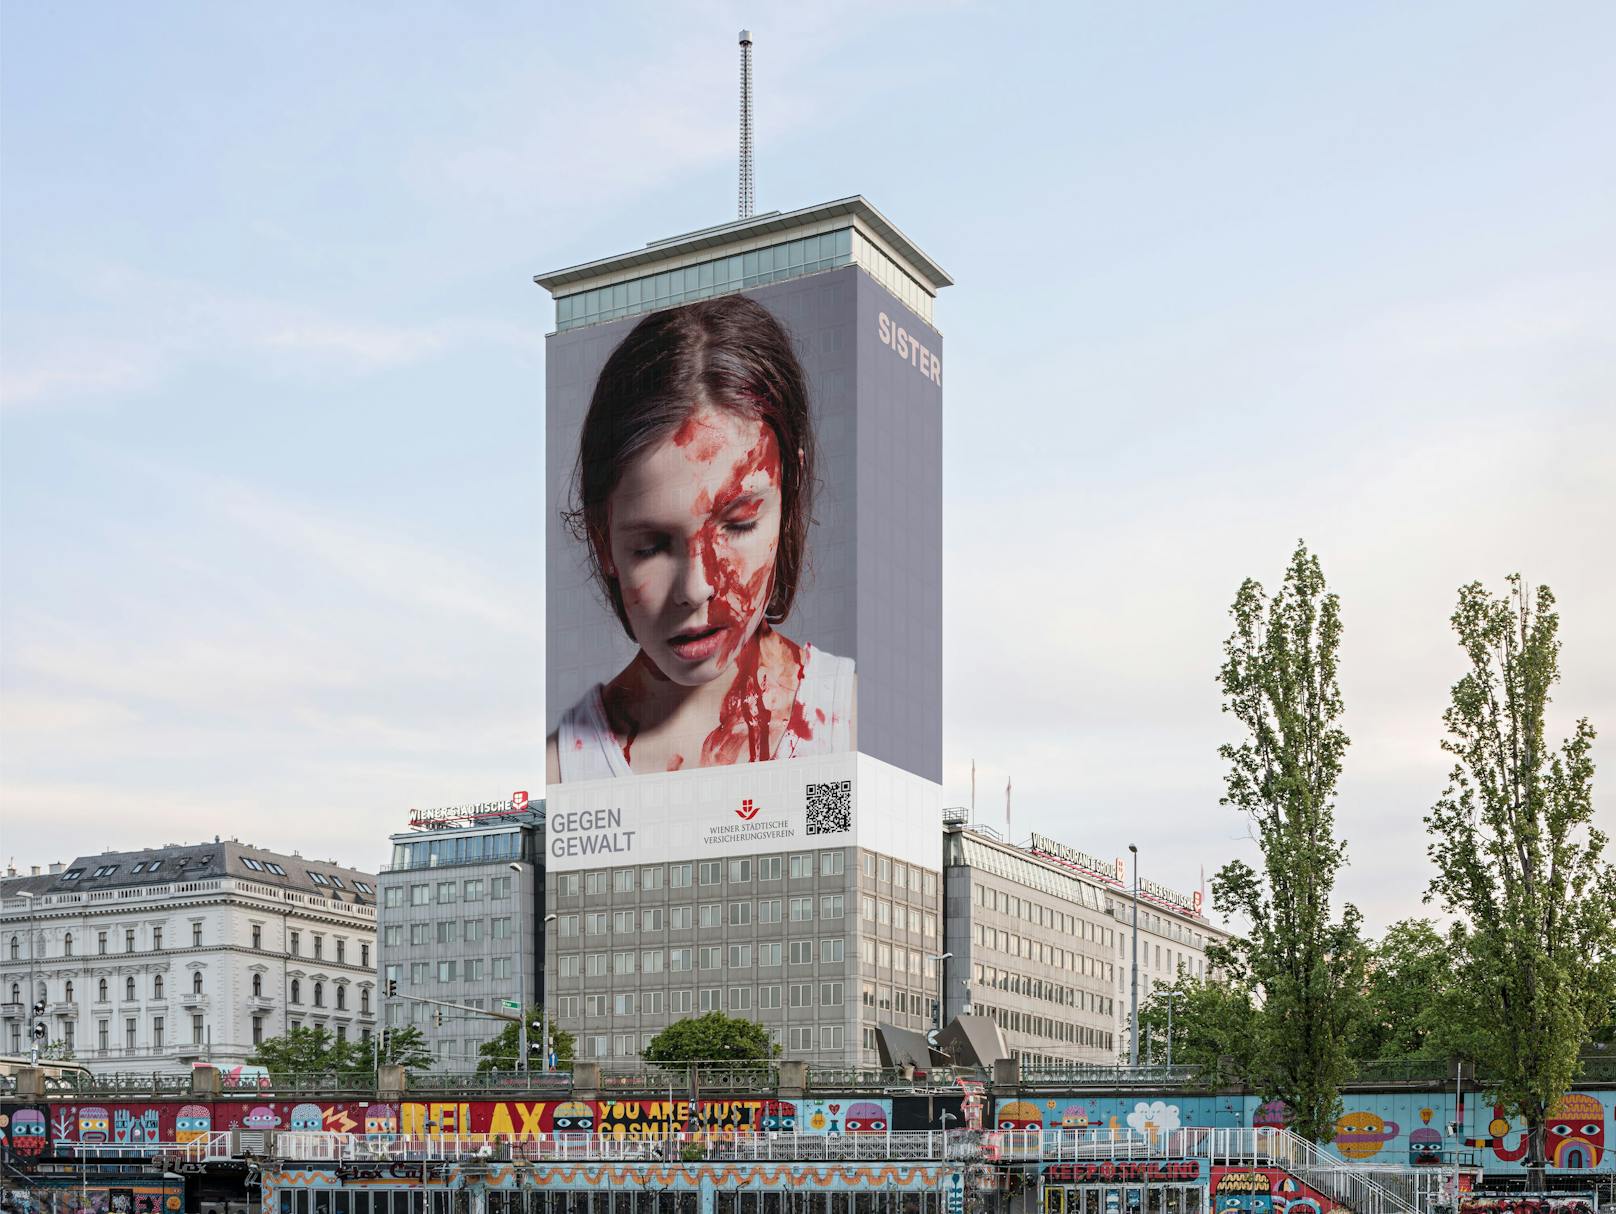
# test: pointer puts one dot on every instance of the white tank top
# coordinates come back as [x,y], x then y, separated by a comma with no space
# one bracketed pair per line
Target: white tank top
[588,750]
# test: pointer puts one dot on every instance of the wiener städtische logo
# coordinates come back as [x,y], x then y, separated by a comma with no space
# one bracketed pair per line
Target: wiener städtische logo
[747,811]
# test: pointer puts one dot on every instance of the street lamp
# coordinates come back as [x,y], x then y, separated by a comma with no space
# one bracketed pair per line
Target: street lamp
[1133,986]
[34,1001]
[1169,996]
[521,970]
[544,995]
[942,987]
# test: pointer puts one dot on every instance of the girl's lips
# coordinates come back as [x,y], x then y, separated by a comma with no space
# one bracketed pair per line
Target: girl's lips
[697,646]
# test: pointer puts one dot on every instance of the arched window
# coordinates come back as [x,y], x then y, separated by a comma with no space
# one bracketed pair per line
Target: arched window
[129,988]
[67,945]
[67,992]
[16,949]
[297,991]
[157,987]
[258,985]
[16,992]
[342,998]
[196,982]
[319,994]
[101,991]
[364,999]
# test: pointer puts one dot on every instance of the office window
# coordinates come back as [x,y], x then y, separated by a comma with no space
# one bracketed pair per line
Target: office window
[802,952]
[883,911]
[471,930]
[502,968]
[595,965]
[771,868]
[680,959]
[595,923]
[157,987]
[711,872]
[129,988]
[651,1003]
[342,998]
[568,885]
[712,957]
[568,965]
[867,951]
[448,930]
[869,864]
[768,997]
[832,864]
[129,1034]
[100,942]
[681,918]
[625,1005]
[830,994]
[739,871]
[419,970]
[651,919]
[499,887]
[100,992]
[623,881]
[679,876]
[472,969]
[319,994]
[884,866]
[101,1035]
[196,982]
[595,883]
[830,906]
[567,1007]
[595,1005]
[801,910]
[802,865]
[501,925]
[712,914]
[867,908]
[770,910]
[650,878]
[472,891]
[740,914]
[622,922]
[623,962]
[830,950]
[129,940]
[711,1000]
[740,956]
[770,954]
[420,933]
[393,897]
[680,1002]
[446,971]
[651,961]
[830,1037]
[801,1038]
[421,895]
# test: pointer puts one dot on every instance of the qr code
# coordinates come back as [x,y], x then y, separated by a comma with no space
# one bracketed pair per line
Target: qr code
[830,807]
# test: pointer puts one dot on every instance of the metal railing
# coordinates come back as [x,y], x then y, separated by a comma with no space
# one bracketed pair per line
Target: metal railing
[322,1147]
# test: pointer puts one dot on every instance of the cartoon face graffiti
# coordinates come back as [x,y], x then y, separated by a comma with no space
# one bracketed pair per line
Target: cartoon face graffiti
[94,1124]
[1360,1135]
[780,1117]
[866,1117]
[1576,1131]
[1273,1115]
[1019,1115]
[381,1119]
[1245,1193]
[28,1132]
[573,1117]
[1425,1147]
[193,1121]
[306,1117]
[262,1117]
[1074,1117]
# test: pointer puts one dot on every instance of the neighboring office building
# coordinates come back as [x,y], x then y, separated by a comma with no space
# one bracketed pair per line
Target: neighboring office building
[1033,946]
[454,914]
[151,960]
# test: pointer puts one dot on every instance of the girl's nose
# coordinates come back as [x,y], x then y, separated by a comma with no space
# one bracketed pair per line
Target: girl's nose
[693,589]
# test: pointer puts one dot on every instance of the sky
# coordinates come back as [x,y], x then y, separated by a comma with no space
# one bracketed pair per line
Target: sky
[272,365]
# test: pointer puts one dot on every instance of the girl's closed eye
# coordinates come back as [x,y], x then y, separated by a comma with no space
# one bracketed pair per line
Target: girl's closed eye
[648,546]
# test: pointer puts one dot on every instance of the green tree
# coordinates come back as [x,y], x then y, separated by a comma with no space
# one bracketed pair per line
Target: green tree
[1211,1026]
[306,1050]
[1519,861]
[404,1046]
[500,1052]
[1305,967]
[714,1037]
[1408,993]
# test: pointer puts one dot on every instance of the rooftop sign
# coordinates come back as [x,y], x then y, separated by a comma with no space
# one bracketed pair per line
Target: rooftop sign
[1106,870]
[1170,897]
[475,812]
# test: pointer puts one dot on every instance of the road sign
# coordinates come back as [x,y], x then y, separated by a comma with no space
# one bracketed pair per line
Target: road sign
[931,1038]
[510,1005]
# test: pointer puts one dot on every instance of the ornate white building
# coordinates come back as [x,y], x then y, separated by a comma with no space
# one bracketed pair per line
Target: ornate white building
[152,960]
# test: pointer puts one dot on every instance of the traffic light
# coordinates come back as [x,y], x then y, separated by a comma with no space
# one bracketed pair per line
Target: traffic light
[387,1042]
[392,988]
[39,1007]
[40,1030]
[437,1018]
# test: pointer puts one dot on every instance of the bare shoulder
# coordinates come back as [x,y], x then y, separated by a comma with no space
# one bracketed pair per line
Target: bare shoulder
[552,759]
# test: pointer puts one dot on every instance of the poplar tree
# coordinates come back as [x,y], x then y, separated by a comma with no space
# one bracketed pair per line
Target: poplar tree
[1520,863]
[1279,680]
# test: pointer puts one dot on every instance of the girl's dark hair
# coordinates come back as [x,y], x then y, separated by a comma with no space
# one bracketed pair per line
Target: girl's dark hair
[729,353]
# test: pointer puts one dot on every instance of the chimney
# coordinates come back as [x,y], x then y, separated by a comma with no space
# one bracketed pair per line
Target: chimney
[56,868]
[35,871]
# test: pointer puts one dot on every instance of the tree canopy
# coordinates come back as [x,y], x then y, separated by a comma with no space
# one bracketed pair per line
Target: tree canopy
[501,1052]
[1211,1025]
[311,1050]
[1519,861]
[714,1037]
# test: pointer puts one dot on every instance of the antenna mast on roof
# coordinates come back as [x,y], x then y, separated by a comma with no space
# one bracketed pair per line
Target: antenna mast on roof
[746,124]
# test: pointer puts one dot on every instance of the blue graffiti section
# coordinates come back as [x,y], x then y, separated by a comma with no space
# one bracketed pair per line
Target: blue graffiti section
[1404,1127]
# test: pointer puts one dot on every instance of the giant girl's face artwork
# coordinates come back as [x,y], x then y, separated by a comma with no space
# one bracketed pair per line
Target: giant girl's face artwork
[692,529]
